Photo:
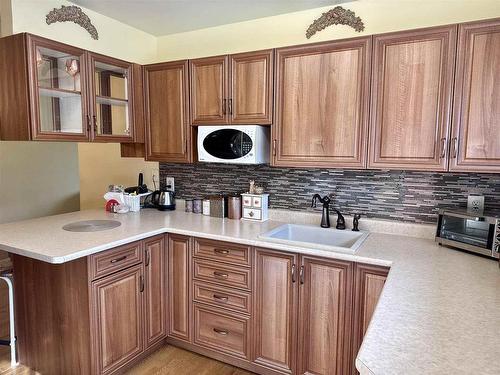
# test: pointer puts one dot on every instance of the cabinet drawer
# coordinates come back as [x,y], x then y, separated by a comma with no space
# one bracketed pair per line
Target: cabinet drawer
[252,213]
[221,331]
[114,260]
[247,201]
[221,297]
[222,274]
[222,251]
[257,202]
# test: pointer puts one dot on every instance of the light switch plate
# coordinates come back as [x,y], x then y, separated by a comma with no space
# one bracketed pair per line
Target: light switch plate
[475,203]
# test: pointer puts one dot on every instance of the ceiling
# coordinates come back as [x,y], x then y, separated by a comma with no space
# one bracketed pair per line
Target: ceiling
[163,17]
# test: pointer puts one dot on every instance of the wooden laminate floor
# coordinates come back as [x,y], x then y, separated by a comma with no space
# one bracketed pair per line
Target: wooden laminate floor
[172,360]
[165,361]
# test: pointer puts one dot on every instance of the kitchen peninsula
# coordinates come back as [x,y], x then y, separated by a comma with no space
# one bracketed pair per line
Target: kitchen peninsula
[188,250]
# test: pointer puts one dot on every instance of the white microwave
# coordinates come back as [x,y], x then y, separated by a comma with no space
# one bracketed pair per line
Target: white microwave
[242,144]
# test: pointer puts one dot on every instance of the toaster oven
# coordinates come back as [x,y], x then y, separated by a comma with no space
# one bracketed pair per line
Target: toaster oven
[466,230]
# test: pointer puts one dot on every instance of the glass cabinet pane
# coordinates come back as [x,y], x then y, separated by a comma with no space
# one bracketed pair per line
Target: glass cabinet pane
[112,99]
[59,91]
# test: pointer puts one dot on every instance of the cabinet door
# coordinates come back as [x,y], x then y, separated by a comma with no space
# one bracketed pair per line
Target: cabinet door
[411,99]
[168,136]
[118,318]
[111,101]
[368,284]
[251,99]
[476,122]
[155,289]
[209,101]
[58,91]
[179,296]
[325,316]
[275,309]
[322,104]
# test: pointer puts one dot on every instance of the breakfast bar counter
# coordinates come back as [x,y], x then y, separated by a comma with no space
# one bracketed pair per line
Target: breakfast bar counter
[439,311]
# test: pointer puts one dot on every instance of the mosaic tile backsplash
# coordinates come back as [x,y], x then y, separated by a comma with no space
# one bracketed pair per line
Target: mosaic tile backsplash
[394,195]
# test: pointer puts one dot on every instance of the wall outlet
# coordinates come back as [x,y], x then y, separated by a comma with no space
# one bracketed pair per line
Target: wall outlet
[475,203]
[169,181]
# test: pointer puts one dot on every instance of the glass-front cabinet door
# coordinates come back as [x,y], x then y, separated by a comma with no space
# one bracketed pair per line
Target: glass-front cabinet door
[58,90]
[111,103]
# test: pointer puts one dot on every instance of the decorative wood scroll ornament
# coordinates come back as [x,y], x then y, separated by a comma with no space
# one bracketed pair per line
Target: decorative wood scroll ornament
[335,16]
[74,14]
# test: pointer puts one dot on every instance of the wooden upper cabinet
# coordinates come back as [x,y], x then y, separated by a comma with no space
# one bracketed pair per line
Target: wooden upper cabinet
[117,319]
[322,104]
[475,143]
[43,90]
[325,316]
[275,316]
[412,82]
[369,281]
[168,136]
[55,92]
[111,99]
[251,88]
[179,295]
[209,81]
[155,276]
[234,89]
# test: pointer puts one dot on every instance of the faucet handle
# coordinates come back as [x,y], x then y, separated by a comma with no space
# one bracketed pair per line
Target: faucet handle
[355,222]
[340,220]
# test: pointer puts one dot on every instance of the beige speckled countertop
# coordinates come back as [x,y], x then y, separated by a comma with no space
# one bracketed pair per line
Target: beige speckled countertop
[439,312]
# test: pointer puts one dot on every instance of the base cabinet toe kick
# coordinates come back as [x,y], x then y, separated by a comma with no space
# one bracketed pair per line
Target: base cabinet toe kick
[266,311]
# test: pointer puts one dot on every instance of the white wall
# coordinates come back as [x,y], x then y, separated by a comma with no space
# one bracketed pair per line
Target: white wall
[115,38]
[379,16]
[38,179]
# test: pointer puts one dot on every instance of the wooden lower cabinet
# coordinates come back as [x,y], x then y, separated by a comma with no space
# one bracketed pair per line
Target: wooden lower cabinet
[369,281]
[118,318]
[155,278]
[94,315]
[324,316]
[275,309]
[179,296]
[293,314]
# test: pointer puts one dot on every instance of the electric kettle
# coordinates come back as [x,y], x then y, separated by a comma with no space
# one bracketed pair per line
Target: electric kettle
[163,200]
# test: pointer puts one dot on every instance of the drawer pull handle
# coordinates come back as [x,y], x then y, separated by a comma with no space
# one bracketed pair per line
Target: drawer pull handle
[118,259]
[221,251]
[220,298]
[222,332]
[221,275]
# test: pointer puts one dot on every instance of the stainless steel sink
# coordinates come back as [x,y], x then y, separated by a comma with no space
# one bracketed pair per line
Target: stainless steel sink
[91,225]
[316,237]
